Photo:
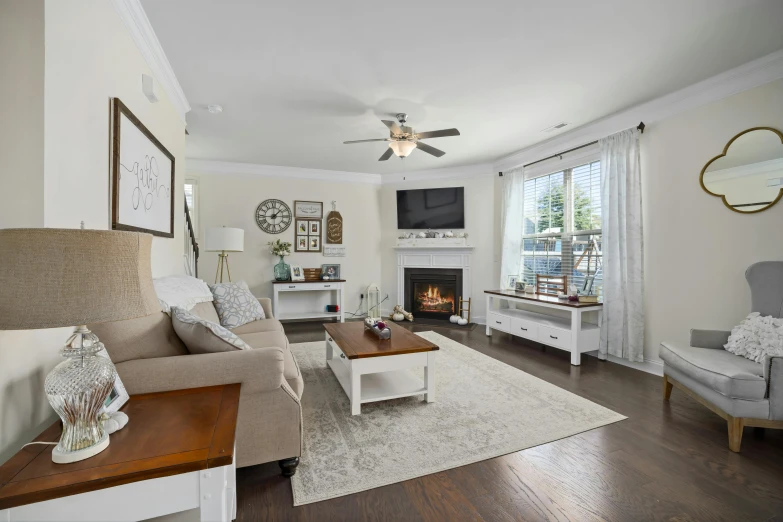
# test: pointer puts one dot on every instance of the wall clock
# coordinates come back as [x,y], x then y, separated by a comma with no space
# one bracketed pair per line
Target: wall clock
[273,216]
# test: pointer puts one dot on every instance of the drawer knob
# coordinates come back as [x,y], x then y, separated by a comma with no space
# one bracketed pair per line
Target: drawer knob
[291,286]
[327,286]
[498,322]
[525,329]
[331,339]
[553,337]
[342,355]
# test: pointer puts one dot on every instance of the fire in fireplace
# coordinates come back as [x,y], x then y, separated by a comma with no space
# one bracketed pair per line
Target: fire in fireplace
[434,298]
[432,292]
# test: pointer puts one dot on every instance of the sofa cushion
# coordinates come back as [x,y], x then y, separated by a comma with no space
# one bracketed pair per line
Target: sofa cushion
[235,305]
[262,325]
[141,338]
[206,311]
[202,336]
[724,372]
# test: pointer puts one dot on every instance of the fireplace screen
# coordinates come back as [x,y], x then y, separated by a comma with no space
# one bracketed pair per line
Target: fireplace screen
[434,297]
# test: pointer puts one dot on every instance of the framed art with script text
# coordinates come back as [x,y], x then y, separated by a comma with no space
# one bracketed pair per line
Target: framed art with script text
[142,178]
[309,209]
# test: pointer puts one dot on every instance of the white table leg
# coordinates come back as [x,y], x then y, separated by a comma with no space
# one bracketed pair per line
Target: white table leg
[576,329]
[429,377]
[342,309]
[489,307]
[214,504]
[275,297]
[356,390]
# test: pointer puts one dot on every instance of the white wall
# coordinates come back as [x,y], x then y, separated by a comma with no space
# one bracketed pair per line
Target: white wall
[697,250]
[22,122]
[231,200]
[480,210]
[89,58]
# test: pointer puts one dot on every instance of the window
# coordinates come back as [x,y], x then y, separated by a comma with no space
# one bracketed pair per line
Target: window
[562,225]
[191,198]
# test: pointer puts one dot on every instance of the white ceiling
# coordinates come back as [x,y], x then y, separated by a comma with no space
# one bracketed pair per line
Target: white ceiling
[296,79]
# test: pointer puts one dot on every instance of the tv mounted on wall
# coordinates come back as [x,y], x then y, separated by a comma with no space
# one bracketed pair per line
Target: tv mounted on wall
[431,208]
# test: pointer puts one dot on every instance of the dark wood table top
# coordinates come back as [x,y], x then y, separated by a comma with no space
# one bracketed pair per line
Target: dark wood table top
[168,433]
[358,343]
[541,298]
[308,281]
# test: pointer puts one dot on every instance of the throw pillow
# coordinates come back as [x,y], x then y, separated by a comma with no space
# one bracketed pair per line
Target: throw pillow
[202,336]
[756,337]
[235,305]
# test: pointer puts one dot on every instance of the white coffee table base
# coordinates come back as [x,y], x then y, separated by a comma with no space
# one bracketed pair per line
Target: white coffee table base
[373,379]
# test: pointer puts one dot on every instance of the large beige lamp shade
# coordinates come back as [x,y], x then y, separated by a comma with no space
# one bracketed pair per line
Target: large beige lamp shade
[53,278]
[224,239]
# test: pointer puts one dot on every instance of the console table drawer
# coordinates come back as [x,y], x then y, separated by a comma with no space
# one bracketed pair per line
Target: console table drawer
[499,322]
[554,337]
[524,328]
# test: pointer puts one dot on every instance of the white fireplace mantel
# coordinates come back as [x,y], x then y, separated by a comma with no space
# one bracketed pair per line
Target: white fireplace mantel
[446,256]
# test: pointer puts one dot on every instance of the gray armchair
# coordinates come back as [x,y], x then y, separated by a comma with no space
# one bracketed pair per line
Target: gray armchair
[743,392]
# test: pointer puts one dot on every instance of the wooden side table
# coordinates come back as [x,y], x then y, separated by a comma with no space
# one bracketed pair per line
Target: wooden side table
[176,453]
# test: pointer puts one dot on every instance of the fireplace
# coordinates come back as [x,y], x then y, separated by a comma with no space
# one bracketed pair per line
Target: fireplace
[433,293]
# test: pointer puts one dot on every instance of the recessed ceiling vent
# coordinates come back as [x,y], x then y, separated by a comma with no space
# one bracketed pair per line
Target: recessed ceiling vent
[555,127]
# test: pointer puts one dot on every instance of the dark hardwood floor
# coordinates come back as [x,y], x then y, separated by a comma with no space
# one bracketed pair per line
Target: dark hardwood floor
[665,462]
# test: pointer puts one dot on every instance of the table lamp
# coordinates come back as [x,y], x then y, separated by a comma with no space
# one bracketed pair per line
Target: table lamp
[223,239]
[51,278]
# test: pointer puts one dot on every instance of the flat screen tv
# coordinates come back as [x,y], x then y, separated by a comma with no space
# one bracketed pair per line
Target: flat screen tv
[431,208]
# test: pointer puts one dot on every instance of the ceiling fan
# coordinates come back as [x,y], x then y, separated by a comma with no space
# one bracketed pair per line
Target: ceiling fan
[403,139]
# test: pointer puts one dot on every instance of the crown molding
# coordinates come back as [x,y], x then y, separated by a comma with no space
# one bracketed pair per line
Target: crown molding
[200,166]
[747,76]
[467,171]
[135,19]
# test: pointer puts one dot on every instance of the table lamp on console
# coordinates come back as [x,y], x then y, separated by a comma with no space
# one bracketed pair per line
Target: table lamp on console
[52,278]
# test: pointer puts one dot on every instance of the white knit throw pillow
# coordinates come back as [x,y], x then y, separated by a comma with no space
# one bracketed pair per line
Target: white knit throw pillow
[756,337]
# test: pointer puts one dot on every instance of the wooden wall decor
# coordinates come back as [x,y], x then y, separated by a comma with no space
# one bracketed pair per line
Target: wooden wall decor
[334,226]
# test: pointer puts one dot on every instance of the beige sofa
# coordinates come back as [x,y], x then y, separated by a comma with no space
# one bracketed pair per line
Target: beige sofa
[150,358]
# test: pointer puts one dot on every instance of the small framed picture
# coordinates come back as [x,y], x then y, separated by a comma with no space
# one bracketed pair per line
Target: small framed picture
[301,228]
[512,282]
[587,287]
[297,273]
[315,227]
[301,243]
[330,271]
[309,209]
[315,244]
[117,396]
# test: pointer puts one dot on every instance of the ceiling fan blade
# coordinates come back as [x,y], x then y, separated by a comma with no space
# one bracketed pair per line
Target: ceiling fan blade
[364,141]
[429,150]
[437,134]
[386,155]
[394,127]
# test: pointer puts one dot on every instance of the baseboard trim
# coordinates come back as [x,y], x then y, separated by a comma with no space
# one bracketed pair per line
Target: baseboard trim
[652,366]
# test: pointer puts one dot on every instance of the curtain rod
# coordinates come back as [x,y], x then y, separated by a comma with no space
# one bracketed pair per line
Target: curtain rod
[640,127]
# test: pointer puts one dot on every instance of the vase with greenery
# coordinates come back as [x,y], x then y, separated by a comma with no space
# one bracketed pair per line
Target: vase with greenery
[282,249]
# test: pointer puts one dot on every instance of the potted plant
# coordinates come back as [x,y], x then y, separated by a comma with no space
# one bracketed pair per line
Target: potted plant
[282,249]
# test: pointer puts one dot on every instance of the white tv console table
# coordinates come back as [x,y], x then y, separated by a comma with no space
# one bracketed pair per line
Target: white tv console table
[334,285]
[566,334]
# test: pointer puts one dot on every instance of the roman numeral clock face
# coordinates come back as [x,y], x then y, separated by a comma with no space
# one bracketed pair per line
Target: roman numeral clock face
[273,216]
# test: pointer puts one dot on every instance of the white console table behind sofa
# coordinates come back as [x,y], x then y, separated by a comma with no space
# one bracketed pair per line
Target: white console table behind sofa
[334,285]
[567,334]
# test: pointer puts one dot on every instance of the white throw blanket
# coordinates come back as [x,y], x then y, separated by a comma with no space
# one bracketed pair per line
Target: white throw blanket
[756,337]
[181,290]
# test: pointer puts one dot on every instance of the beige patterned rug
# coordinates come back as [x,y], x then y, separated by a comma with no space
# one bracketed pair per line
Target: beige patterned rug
[484,409]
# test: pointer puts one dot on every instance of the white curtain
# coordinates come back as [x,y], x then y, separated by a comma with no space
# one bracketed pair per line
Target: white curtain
[622,331]
[512,217]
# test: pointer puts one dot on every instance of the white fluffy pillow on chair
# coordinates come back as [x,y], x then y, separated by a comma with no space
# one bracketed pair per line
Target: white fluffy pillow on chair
[756,337]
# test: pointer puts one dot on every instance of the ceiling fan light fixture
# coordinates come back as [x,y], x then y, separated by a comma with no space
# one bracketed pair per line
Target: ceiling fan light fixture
[402,148]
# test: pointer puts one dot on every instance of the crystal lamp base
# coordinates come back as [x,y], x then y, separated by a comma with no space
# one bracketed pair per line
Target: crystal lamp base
[77,389]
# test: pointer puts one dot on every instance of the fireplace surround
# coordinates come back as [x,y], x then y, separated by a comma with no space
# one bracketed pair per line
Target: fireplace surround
[433,293]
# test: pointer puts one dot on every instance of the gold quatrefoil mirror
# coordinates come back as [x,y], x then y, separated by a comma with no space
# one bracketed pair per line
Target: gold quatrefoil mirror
[748,175]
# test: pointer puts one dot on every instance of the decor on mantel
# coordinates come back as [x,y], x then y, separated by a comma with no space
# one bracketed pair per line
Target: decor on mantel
[334,226]
[281,249]
[622,330]
[52,278]
[432,238]
[142,198]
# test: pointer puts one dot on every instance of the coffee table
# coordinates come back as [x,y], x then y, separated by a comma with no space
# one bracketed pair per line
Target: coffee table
[370,369]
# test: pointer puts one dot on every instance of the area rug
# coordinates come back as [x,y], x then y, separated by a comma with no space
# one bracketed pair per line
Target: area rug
[484,408]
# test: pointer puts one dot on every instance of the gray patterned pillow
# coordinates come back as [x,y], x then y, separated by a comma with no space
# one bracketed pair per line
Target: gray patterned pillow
[202,336]
[235,304]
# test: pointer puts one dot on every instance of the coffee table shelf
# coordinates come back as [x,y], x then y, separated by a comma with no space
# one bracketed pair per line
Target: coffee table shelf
[380,386]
